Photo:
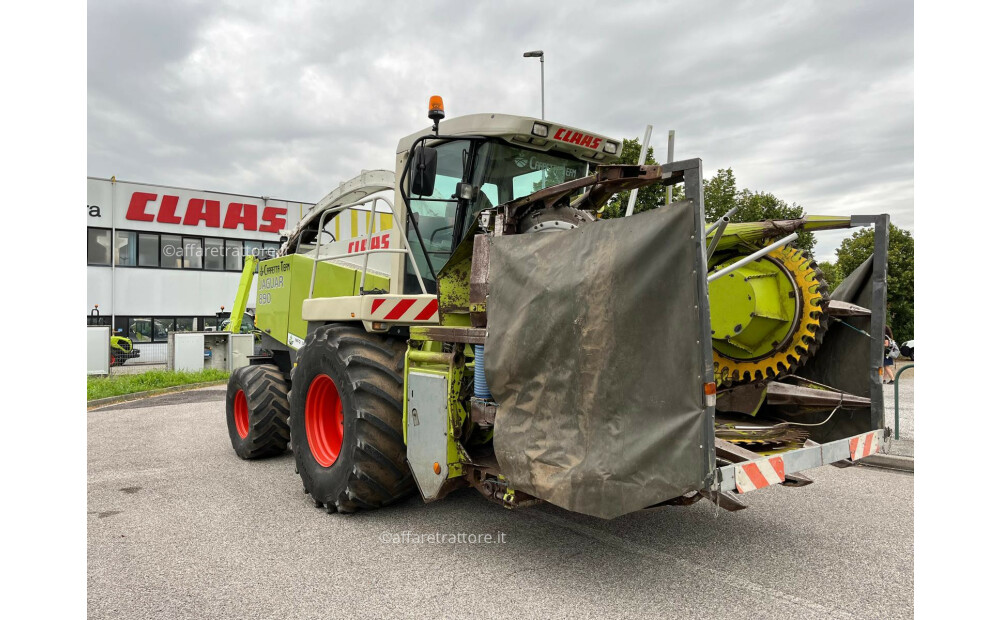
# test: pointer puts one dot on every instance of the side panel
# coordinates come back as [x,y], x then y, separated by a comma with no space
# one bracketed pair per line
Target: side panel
[283,284]
[427,430]
[849,359]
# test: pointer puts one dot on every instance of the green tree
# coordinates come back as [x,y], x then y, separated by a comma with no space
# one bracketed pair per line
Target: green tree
[649,197]
[721,195]
[831,273]
[899,282]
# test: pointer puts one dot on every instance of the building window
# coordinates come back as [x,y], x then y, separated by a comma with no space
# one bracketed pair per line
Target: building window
[270,250]
[149,250]
[98,246]
[254,247]
[121,326]
[171,252]
[140,329]
[234,255]
[161,326]
[98,319]
[215,250]
[185,324]
[192,253]
[209,324]
[125,249]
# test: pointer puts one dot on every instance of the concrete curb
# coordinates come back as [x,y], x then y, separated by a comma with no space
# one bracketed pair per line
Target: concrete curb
[889,461]
[122,398]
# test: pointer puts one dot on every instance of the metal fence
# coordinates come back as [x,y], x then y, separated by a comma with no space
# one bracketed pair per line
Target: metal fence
[107,354]
[143,356]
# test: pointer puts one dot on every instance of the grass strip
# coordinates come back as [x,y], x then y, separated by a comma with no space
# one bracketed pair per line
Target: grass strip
[116,385]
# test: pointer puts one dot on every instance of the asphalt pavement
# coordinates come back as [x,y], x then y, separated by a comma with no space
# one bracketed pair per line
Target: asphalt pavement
[179,527]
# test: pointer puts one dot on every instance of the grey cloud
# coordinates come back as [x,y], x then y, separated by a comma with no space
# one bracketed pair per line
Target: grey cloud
[811,101]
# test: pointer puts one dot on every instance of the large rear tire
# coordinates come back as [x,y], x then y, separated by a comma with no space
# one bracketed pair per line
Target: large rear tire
[347,419]
[257,411]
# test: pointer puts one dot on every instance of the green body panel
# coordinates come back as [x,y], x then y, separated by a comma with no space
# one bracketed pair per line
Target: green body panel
[752,234]
[753,309]
[242,293]
[283,284]
[121,343]
[427,357]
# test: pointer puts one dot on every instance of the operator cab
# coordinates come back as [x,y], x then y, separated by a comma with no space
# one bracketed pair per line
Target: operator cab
[484,160]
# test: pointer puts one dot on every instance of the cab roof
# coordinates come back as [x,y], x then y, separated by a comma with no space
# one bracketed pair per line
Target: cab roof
[528,132]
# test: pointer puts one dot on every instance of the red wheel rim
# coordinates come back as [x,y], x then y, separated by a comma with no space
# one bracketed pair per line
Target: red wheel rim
[241,414]
[324,420]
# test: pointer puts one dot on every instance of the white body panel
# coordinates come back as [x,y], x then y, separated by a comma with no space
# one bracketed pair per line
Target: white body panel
[189,352]
[98,350]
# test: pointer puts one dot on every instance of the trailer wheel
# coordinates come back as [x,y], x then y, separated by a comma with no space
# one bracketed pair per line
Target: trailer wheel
[347,419]
[257,411]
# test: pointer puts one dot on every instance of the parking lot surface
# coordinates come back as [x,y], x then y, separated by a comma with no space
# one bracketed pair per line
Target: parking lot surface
[179,527]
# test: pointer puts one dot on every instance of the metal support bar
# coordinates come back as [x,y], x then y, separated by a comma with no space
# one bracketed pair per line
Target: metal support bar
[642,160]
[743,261]
[877,305]
[721,224]
[725,216]
[896,390]
[812,455]
[670,158]
[430,357]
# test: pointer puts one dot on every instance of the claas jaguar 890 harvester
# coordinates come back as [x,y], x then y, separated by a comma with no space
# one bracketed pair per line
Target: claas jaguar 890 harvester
[471,321]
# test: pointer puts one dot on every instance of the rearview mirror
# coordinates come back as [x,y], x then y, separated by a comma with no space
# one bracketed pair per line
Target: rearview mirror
[423,169]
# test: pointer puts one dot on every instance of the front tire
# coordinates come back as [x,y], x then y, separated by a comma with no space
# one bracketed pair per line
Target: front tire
[257,411]
[347,419]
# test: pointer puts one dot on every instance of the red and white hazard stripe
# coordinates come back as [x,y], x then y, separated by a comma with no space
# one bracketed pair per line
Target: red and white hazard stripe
[864,445]
[758,474]
[404,309]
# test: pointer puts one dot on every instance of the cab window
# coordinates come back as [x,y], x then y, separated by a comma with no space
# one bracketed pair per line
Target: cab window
[435,214]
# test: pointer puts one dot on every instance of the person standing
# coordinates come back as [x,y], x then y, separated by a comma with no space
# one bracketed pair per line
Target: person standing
[888,363]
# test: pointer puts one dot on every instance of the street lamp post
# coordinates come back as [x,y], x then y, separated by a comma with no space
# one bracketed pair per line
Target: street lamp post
[540,55]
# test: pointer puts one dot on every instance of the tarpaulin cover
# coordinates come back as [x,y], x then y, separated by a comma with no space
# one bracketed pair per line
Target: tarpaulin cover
[843,360]
[593,357]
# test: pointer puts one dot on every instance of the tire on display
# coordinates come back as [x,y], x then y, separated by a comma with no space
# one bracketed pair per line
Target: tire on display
[347,419]
[257,411]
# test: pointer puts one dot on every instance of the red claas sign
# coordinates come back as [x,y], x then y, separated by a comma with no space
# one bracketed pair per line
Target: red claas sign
[198,210]
[576,137]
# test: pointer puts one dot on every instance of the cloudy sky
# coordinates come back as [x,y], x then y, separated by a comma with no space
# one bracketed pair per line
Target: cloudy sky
[812,101]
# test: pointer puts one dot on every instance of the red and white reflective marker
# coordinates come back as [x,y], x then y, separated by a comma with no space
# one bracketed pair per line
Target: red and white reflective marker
[864,445]
[404,309]
[758,474]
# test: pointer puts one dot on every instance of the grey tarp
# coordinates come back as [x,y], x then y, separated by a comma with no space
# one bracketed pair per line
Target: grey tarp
[842,361]
[593,357]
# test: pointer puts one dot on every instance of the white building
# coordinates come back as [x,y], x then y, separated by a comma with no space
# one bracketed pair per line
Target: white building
[163,258]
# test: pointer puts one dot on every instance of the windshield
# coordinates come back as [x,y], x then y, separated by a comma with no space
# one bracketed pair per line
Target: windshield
[502,171]
[509,172]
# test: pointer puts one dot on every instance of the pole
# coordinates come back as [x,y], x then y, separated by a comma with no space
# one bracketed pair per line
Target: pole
[542,63]
[670,160]
[746,259]
[114,253]
[642,160]
[896,390]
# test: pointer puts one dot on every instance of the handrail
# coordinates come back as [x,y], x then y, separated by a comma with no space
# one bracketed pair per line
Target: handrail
[896,390]
[334,210]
